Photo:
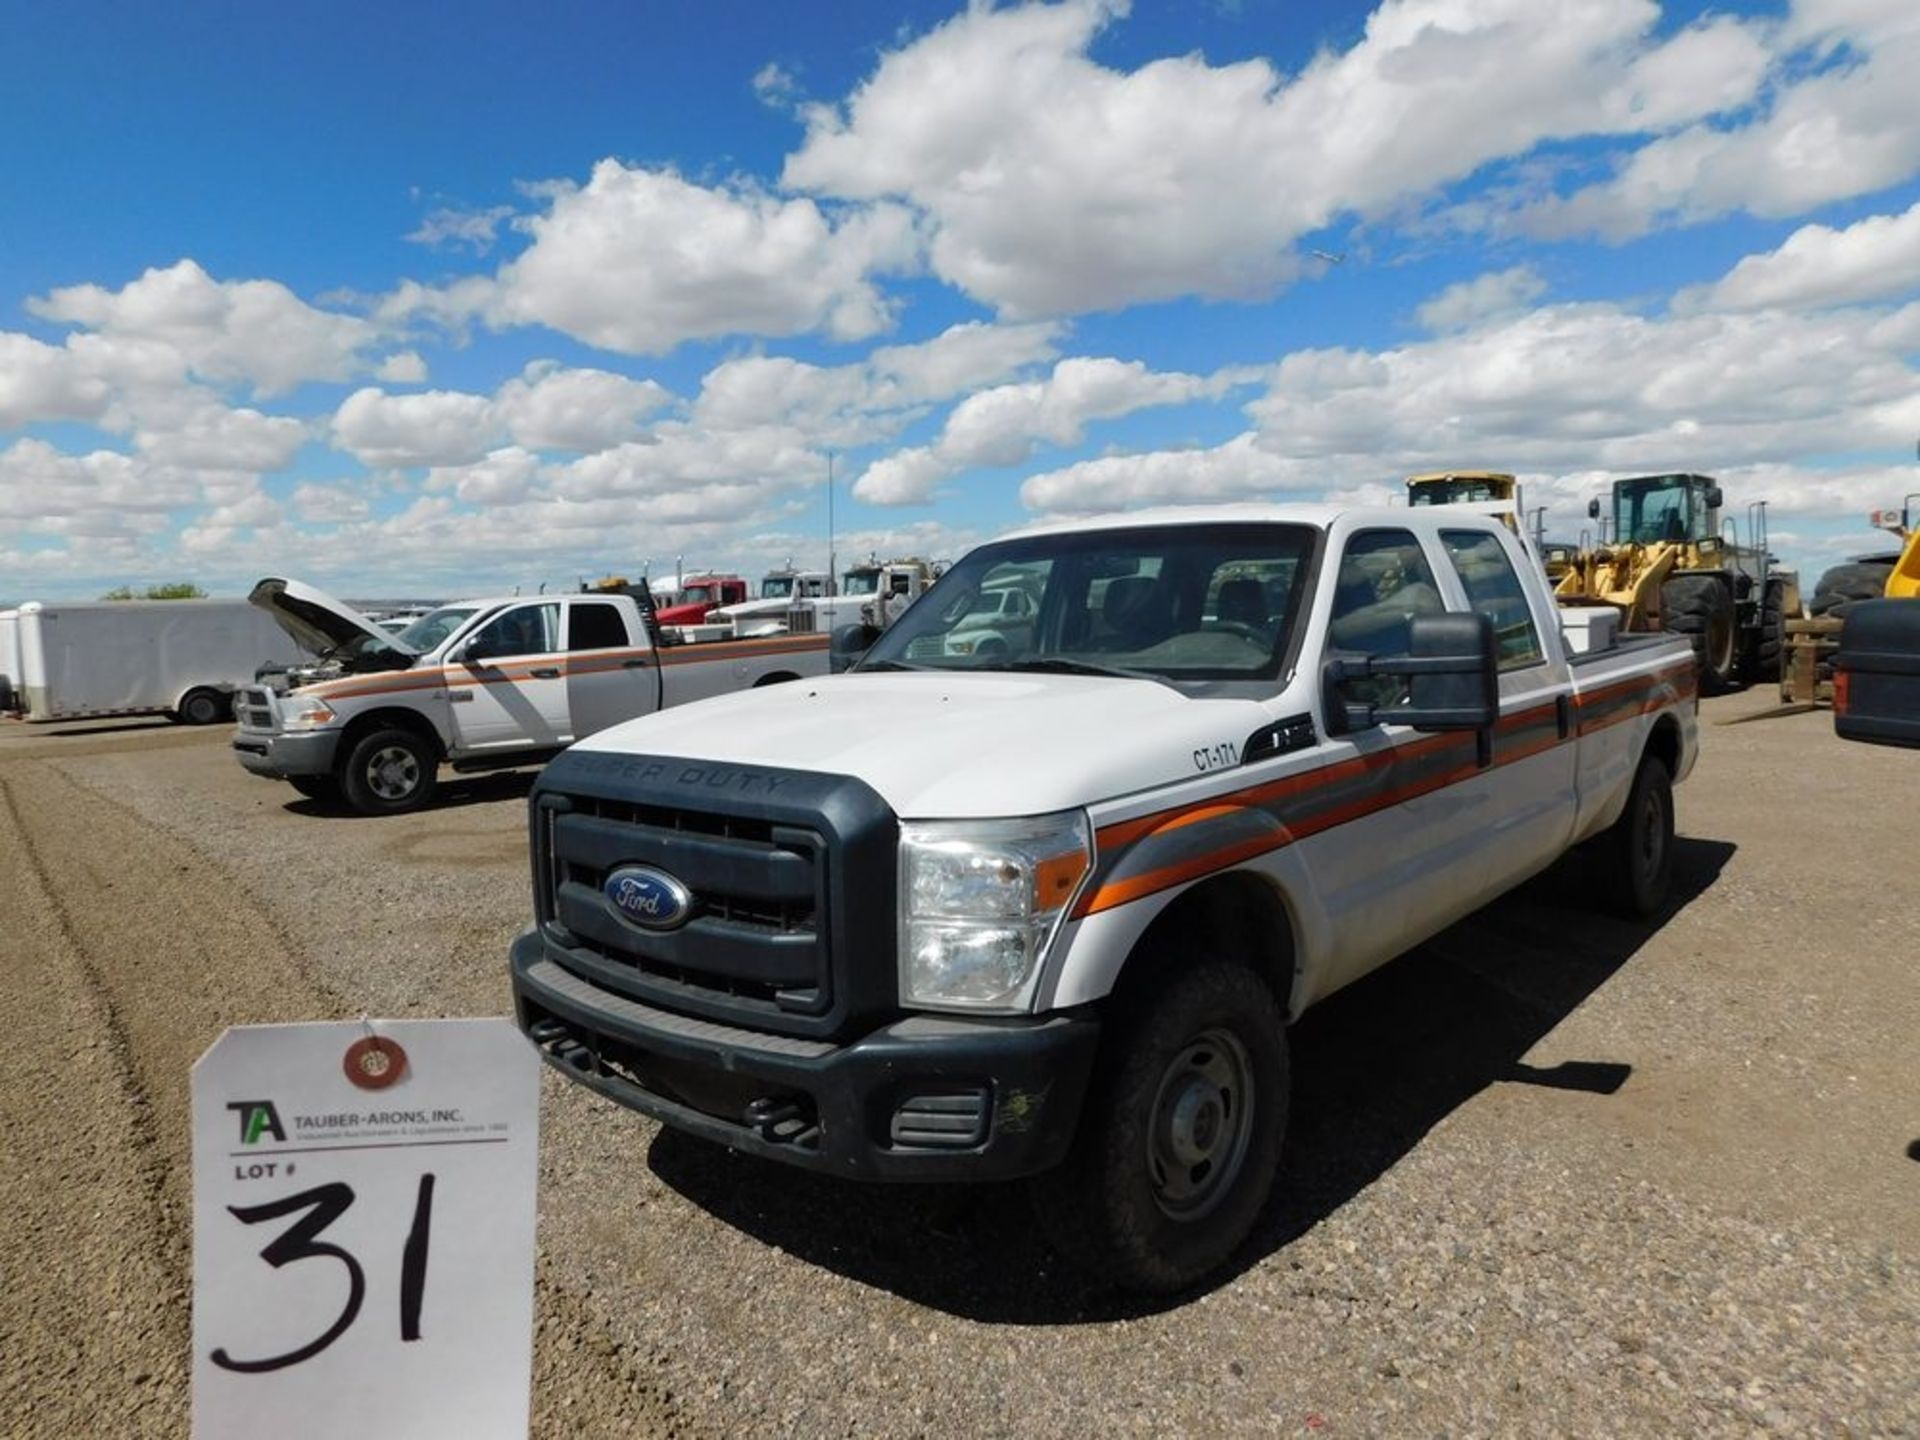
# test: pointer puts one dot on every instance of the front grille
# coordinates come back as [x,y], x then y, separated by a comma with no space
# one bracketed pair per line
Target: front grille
[791,877]
[254,708]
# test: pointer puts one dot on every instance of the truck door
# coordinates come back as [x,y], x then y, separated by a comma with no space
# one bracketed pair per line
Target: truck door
[611,675]
[1392,823]
[1536,793]
[507,688]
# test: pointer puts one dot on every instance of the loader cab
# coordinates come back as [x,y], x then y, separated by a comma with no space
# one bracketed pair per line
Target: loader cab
[1665,509]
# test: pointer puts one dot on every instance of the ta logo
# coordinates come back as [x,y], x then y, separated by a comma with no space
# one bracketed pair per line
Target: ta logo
[257,1117]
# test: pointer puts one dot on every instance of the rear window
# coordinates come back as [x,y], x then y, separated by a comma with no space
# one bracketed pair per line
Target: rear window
[1494,590]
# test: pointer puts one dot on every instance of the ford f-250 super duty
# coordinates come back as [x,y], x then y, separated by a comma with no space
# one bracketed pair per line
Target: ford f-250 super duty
[478,685]
[1049,911]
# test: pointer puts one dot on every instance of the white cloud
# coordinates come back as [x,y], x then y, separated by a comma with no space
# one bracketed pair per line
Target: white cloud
[46,382]
[640,260]
[404,367]
[329,504]
[450,227]
[1849,127]
[1054,184]
[256,332]
[506,474]
[1817,266]
[551,407]
[1487,297]
[1004,425]
[217,438]
[1233,471]
[436,427]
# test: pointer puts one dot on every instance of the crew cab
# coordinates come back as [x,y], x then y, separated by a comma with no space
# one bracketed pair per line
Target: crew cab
[1049,911]
[477,684]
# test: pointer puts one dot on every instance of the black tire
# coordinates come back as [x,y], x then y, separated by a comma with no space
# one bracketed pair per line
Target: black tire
[1700,607]
[204,707]
[1638,847]
[1856,580]
[389,771]
[324,788]
[1180,1137]
[1771,643]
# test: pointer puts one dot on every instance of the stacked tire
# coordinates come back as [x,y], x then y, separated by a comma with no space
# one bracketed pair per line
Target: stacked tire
[1846,585]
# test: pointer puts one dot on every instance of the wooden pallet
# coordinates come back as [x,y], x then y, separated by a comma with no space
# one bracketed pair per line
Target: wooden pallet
[1806,664]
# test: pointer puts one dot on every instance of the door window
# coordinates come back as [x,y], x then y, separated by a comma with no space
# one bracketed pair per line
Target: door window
[595,626]
[1494,590]
[523,630]
[1383,582]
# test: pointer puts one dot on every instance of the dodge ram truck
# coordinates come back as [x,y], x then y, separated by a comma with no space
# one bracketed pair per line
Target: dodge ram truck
[477,685]
[1047,911]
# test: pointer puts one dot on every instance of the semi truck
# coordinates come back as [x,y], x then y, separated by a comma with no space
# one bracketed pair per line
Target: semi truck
[184,659]
[1048,911]
[476,685]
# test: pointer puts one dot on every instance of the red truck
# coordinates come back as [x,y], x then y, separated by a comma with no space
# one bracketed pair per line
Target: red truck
[701,595]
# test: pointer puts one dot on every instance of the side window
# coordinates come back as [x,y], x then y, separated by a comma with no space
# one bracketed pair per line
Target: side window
[595,626]
[522,630]
[1382,583]
[1494,590]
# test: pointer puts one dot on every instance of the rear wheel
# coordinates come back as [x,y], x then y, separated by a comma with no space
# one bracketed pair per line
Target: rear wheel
[1638,848]
[1771,643]
[1180,1139]
[389,771]
[1700,607]
[204,707]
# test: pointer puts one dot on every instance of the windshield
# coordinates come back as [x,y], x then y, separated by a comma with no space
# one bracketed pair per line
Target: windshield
[1454,492]
[861,582]
[1183,602]
[430,629]
[1661,507]
[776,587]
[697,595]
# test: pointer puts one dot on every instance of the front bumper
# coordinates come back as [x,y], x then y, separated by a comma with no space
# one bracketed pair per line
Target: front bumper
[925,1098]
[277,756]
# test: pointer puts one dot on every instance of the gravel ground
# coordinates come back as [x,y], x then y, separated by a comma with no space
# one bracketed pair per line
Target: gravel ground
[1550,1173]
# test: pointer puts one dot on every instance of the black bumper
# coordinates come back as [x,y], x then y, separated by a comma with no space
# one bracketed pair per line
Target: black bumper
[924,1098]
[1876,683]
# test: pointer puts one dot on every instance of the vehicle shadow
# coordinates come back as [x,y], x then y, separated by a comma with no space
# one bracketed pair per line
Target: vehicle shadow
[456,791]
[152,722]
[1374,1069]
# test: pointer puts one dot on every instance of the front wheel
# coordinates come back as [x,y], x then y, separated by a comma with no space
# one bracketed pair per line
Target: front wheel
[1700,607]
[389,771]
[1181,1135]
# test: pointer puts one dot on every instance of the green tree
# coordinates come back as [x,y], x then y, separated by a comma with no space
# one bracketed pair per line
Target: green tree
[177,590]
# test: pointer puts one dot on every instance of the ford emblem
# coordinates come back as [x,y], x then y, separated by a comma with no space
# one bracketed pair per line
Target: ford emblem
[648,898]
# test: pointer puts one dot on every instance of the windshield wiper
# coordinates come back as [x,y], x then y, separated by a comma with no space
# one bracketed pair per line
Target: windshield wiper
[893,665]
[1061,665]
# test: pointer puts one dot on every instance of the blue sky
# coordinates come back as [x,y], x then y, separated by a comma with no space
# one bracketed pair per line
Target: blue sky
[401,303]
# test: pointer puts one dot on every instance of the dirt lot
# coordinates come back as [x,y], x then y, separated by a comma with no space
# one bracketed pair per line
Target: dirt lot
[1550,1173]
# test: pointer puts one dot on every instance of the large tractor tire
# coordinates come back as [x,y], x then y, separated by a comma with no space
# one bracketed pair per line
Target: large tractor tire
[1771,643]
[1700,607]
[1844,584]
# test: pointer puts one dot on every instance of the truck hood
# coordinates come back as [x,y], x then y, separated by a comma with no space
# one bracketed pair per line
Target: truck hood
[956,745]
[321,624]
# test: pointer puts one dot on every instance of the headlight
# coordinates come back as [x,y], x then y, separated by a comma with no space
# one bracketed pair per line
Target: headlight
[305,712]
[979,903]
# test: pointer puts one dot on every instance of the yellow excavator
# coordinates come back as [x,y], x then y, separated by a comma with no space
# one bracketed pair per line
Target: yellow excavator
[1667,561]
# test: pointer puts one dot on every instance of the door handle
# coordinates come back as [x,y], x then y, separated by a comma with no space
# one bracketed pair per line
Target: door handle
[460,697]
[633,664]
[546,672]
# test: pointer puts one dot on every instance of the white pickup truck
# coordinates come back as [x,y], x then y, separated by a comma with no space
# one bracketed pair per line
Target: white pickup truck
[1049,911]
[478,685]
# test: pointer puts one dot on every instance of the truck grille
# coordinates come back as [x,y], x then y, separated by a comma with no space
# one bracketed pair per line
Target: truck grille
[787,931]
[253,708]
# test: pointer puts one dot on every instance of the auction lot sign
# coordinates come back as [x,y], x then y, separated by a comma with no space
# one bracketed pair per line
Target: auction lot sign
[363,1226]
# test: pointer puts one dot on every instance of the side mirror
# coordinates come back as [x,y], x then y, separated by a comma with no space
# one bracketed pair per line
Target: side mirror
[1453,670]
[1714,497]
[848,644]
[1593,508]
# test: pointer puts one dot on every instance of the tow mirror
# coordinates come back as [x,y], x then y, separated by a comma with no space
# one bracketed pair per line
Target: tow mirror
[848,644]
[1452,670]
[1593,508]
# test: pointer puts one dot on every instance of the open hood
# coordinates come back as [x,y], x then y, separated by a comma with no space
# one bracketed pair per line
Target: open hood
[321,624]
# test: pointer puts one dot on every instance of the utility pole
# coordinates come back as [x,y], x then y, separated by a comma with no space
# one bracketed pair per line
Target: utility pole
[833,569]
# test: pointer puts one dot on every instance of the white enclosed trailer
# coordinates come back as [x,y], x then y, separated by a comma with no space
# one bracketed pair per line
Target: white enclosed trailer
[183,658]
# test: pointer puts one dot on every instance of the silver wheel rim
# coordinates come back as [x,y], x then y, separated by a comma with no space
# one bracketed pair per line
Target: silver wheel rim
[1201,1124]
[393,772]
